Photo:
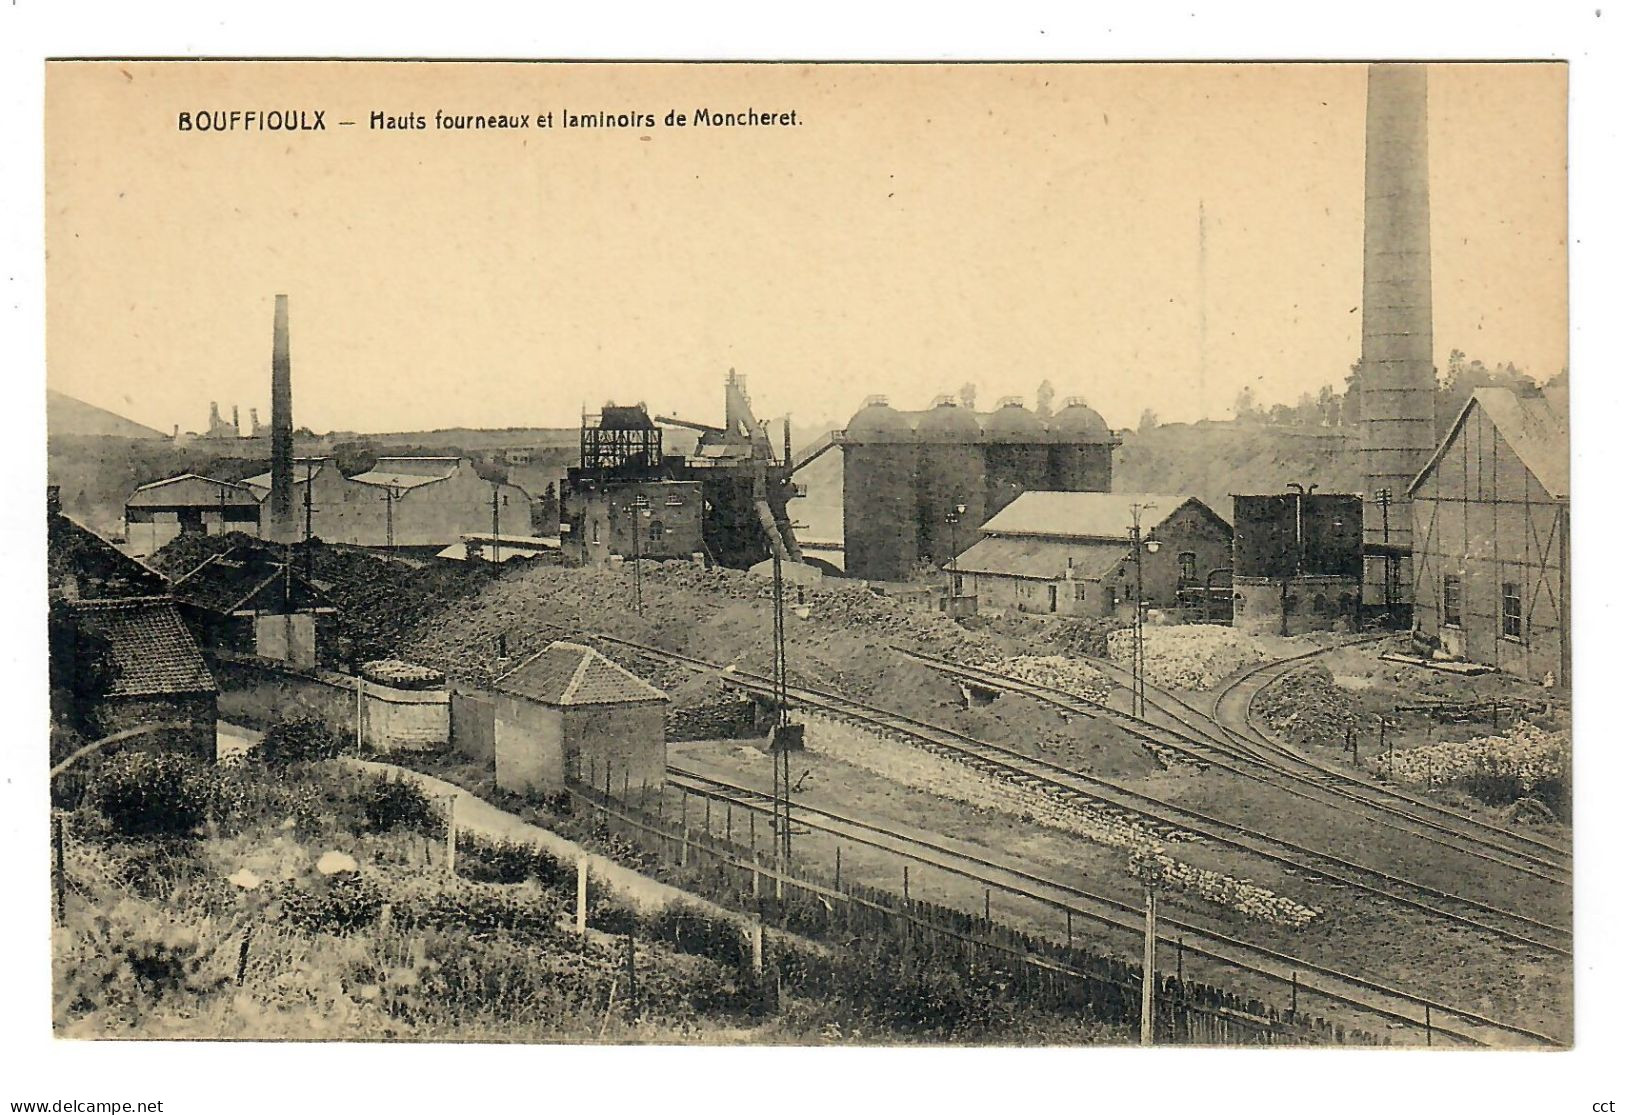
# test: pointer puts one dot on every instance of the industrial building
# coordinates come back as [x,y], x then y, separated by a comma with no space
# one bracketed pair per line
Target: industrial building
[1491,529]
[226,598]
[728,501]
[915,484]
[1397,376]
[1297,562]
[570,714]
[1071,554]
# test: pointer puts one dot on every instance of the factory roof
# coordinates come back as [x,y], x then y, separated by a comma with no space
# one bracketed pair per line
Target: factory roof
[1078,422]
[571,674]
[1536,426]
[220,489]
[1102,515]
[81,564]
[153,653]
[408,472]
[1039,558]
[244,578]
[262,481]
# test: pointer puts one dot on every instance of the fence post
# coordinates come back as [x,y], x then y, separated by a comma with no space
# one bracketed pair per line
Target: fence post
[837,867]
[1294,996]
[581,898]
[451,835]
[708,817]
[1179,961]
[631,978]
[682,850]
[1069,928]
[755,875]
[1427,1022]
[730,821]
[61,870]
[626,784]
[905,883]
[756,945]
[987,905]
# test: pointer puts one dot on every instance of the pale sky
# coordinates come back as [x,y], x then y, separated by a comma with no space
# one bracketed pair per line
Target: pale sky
[923,226]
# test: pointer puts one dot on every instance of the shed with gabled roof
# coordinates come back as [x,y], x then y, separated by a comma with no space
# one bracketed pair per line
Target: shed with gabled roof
[569,714]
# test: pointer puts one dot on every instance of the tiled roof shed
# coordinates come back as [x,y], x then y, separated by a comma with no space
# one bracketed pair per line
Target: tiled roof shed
[153,653]
[569,674]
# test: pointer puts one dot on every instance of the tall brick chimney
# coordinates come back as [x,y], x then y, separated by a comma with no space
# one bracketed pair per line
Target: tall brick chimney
[282,523]
[1396,335]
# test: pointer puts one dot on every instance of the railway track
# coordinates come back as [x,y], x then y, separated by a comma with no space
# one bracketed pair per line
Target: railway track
[1206,747]
[1345,989]
[1171,822]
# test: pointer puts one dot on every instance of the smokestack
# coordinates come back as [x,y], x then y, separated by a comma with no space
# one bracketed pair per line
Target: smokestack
[283,528]
[1396,337]
[236,423]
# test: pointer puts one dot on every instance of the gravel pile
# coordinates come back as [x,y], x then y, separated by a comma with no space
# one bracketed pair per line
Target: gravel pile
[1191,656]
[1308,707]
[1058,672]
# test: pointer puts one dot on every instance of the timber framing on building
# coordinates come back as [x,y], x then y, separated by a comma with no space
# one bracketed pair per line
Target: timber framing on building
[1492,535]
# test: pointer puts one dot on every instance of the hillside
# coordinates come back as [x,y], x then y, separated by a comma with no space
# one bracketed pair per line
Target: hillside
[65,415]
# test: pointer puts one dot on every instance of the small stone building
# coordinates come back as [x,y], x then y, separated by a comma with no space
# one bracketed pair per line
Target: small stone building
[1068,553]
[158,674]
[568,714]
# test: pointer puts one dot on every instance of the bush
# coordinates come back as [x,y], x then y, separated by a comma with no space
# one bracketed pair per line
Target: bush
[132,956]
[340,905]
[146,795]
[485,861]
[394,802]
[303,740]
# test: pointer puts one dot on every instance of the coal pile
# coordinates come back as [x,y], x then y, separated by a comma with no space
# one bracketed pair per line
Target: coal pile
[1308,707]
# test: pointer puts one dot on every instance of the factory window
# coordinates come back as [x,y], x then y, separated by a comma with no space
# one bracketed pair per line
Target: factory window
[674,501]
[1078,590]
[595,532]
[1318,605]
[657,531]
[1452,599]
[1187,568]
[1512,610]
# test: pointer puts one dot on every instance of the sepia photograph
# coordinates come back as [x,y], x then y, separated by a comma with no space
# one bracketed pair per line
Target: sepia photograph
[967,554]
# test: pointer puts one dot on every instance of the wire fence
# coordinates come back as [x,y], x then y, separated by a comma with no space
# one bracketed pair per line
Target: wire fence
[1042,972]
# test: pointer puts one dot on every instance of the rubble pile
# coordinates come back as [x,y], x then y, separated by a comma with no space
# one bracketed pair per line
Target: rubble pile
[1308,707]
[719,718]
[1057,672]
[1192,656]
[1528,757]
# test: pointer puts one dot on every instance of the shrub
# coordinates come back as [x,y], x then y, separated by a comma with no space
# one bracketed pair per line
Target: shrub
[340,905]
[301,740]
[393,802]
[146,795]
[510,862]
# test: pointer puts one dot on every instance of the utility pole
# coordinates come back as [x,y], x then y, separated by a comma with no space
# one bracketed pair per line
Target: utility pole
[1138,697]
[496,531]
[309,511]
[1297,546]
[635,512]
[1385,496]
[953,558]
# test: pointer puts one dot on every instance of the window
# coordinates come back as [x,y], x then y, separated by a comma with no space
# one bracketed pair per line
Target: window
[1452,599]
[1187,568]
[595,532]
[657,530]
[1078,590]
[1512,610]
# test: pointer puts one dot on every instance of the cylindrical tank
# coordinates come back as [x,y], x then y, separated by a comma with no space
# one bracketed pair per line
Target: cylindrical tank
[1081,444]
[952,475]
[878,470]
[1016,452]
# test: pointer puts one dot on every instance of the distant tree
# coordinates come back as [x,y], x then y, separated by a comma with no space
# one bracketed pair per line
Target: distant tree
[545,511]
[1324,403]
[1045,398]
[1282,415]
[1245,408]
[1559,382]
[1148,420]
[1334,410]
[1307,412]
[967,395]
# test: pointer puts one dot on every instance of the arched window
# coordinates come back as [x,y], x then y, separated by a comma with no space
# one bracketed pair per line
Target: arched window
[657,530]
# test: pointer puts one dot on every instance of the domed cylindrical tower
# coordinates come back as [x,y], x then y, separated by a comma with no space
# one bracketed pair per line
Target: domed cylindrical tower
[878,478]
[952,475]
[1016,451]
[1080,453]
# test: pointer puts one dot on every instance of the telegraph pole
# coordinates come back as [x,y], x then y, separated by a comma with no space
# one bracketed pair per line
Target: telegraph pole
[1138,697]
[496,530]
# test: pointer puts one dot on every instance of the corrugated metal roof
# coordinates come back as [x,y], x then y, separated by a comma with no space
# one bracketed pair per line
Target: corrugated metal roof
[1536,427]
[408,472]
[571,674]
[153,653]
[1043,559]
[1103,515]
